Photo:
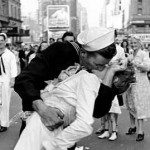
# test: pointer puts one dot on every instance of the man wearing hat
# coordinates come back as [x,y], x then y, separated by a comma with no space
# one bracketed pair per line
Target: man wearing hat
[8,71]
[74,96]
[57,57]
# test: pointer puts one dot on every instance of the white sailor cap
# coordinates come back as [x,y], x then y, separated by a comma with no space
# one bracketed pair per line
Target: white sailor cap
[4,34]
[96,38]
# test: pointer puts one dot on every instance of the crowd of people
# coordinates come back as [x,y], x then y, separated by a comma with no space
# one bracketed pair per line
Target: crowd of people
[64,85]
[25,52]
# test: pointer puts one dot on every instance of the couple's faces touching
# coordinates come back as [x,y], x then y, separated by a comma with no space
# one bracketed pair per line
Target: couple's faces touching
[94,61]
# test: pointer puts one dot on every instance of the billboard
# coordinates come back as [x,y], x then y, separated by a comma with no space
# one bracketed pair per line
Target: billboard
[9,30]
[58,16]
[145,38]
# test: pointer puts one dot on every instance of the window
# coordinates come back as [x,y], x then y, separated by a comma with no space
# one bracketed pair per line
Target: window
[11,11]
[140,26]
[18,13]
[120,5]
[15,15]
[139,2]
[139,11]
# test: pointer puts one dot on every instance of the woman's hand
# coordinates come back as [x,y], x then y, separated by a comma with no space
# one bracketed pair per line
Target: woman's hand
[113,68]
[108,73]
[121,62]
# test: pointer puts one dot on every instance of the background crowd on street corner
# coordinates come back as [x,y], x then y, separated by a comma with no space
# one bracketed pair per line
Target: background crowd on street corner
[25,52]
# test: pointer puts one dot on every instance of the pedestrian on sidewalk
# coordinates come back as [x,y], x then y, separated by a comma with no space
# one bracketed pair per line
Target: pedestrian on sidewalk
[110,122]
[138,95]
[8,71]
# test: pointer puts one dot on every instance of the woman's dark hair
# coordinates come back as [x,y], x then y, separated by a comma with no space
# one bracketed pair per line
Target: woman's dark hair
[123,42]
[116,33]
[108,52]
[127,46]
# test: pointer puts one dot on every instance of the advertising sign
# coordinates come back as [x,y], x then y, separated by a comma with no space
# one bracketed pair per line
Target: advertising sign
[9,30]
[58,16]
[145,38]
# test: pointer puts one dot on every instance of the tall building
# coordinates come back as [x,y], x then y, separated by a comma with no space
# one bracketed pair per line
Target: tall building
[139,17]
[3,13]
[31,25]
[111,16]
[130,16]
[10,20]
[14,16]
[82,22]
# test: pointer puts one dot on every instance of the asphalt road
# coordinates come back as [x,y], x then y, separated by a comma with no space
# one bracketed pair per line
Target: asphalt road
[124,142]
[9,138]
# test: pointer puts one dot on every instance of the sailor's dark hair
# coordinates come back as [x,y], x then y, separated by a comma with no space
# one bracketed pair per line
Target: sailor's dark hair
[108,52]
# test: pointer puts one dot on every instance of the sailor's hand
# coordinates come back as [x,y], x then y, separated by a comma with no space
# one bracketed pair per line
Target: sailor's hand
[51,117]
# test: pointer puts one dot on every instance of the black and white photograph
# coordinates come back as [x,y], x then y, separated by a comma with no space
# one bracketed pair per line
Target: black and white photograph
[74,74]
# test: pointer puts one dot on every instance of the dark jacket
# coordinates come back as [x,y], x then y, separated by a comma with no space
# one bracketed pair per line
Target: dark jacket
[47,66]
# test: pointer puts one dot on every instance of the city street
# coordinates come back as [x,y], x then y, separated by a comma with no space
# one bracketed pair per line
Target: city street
[100,35]
[124,142]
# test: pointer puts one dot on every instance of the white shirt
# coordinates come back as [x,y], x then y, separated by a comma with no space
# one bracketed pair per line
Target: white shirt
[10,64]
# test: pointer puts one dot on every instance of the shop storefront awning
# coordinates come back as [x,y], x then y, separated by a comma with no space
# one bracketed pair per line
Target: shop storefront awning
[14,31]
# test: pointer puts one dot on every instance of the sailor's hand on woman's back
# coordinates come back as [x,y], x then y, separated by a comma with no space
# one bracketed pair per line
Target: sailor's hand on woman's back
[51,117]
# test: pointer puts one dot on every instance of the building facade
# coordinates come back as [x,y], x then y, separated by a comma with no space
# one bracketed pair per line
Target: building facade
[139,20]
[82,22]
[129,16]
[10,20]
[14,16]
[114,14]
[4,13]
